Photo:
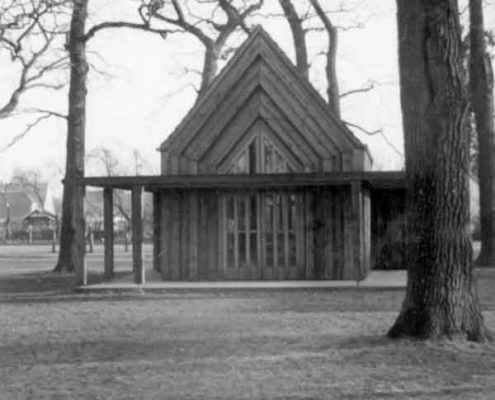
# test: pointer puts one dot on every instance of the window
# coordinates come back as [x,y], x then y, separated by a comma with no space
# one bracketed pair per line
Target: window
[260,159]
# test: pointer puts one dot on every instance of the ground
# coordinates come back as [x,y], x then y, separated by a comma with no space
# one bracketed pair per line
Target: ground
[278,344]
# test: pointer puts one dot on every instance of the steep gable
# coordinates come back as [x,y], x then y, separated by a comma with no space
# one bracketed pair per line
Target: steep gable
[259,94]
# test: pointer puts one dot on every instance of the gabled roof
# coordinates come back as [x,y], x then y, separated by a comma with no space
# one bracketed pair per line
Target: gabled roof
[261,87]
[39,214]
[37,195]
[15,206]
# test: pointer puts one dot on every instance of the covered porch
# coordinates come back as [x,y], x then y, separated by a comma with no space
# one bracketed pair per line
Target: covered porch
[355,182]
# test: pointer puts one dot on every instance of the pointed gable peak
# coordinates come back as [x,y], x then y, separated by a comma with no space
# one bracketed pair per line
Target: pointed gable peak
[258,66]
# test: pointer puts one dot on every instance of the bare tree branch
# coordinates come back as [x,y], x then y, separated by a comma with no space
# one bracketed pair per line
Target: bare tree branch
[375,132]
[130,25]
[371,86]
[28,30]
[28,129]
[178,14]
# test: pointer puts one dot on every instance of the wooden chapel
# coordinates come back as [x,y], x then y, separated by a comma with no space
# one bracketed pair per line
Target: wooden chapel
[260,181]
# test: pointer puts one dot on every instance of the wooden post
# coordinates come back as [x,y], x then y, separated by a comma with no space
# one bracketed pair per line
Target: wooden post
[80,266]
[137,235]
[108,231]
[157,212]
[357,234]
[54,241]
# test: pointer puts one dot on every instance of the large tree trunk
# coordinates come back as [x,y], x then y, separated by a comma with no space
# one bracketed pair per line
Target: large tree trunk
[298,37]
[440,298]
[71,254]
[481,78]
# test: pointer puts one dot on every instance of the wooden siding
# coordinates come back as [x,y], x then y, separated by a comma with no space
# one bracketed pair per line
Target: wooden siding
[189,242]
[331,241]
[261,84]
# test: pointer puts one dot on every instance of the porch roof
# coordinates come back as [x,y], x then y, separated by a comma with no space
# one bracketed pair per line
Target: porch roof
[370,179]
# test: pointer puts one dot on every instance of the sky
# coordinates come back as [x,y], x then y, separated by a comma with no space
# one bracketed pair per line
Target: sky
[139,91]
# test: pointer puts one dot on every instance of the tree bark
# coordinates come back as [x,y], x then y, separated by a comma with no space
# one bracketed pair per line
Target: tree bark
[330,67]
[71,255]
[481,80]
[298,37]
[440,296]
[210,66]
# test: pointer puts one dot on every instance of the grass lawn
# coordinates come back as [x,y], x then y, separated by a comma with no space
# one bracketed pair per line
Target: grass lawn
[291,344]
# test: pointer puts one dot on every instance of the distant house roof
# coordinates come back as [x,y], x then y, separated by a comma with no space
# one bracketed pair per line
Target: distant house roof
[40,215]
[38,194]
[15,206]
[18,200]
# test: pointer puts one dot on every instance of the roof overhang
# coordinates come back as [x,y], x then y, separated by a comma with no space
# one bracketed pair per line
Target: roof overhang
[370,179]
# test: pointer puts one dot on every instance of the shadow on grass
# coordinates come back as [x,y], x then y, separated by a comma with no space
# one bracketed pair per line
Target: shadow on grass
[44,283]
[196,347]
[432,393]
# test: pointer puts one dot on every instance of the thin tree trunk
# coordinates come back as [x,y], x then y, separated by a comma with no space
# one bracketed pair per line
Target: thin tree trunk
[330,67]
[481,79]
[298,37]
[210,67]
[71,253]
[440,297]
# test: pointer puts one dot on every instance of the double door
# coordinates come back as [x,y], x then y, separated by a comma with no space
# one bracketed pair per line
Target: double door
[262,235]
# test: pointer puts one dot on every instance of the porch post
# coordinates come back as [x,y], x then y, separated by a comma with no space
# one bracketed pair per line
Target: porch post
[357,221]
[108,231]
[81,268]
[137,235]
[157,212]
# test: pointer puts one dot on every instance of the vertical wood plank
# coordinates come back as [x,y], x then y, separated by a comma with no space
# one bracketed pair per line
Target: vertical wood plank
[157,210]
[339,234]
[348,271]
[300,238]
[173,165]
[213,236]
[193,236]
[165,163]
[175,236]
[357,215]
[184,235]
[366,238]
[165,235]
[137,235]
[309,228]
[328,248]
[108,232]
[203,236]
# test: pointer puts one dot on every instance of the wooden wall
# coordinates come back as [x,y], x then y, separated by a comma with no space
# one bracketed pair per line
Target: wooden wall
[341,230]
[335,240]
[189,235]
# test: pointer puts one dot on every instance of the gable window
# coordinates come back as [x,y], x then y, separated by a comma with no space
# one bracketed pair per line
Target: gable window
[258,158]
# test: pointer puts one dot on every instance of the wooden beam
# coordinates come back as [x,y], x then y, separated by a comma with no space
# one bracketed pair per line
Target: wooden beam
[108,232]
[157,212]
[137,234]
[389,179]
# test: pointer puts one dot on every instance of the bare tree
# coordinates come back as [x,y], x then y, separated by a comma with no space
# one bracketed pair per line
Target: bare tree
[298,36]
[440,298]
[331,57]
[212,30]
[31,32]
[71,253]
[481,85]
